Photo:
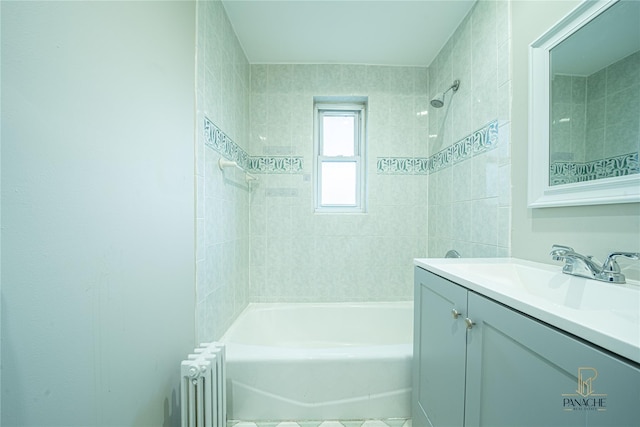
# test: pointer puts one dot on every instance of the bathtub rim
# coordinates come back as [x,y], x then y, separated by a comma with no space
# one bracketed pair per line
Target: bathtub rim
[245,352]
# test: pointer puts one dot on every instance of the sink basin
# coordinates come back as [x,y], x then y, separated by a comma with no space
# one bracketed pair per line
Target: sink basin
[550,284]
[603,313]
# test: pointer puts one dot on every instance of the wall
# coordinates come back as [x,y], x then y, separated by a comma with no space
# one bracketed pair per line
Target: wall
[222,248]
[0,218]
[97,211]
[297,255]
[469,202]
[569,101]
[594,230]
[613,110]
[603,111]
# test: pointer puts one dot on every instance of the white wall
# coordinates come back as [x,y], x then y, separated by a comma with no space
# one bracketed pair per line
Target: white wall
[97,211]
[0,217]
[594,230]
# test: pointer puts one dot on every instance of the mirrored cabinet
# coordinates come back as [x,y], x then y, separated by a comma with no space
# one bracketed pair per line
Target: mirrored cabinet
[584,127]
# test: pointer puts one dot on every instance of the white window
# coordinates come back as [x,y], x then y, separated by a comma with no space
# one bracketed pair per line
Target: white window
[339,153]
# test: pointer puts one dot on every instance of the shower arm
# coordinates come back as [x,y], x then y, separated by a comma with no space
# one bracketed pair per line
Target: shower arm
[454,86]
[438,100]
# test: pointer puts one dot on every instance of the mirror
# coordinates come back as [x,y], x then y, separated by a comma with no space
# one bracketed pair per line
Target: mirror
[585,108]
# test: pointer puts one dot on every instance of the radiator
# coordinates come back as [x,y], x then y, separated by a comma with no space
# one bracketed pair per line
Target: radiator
[203,387]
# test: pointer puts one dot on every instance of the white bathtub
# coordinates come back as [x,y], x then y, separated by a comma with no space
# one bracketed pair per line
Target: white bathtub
[307,361]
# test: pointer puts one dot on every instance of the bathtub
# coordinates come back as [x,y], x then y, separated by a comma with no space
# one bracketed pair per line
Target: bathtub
[331,361]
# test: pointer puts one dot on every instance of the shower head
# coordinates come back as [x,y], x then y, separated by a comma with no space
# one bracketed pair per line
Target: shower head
[438,100]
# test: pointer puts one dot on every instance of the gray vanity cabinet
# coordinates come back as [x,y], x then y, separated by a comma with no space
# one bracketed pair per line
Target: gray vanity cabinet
[439,351]
[489,365]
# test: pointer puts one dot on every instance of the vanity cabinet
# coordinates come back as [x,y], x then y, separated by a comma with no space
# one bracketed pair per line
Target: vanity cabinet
[480,363]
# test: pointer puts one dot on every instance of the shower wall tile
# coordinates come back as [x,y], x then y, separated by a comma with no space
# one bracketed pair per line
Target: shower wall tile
[223,206]
[603,126]
[479,250]
[472,145]
[468,207]
[504,185]
[298,255]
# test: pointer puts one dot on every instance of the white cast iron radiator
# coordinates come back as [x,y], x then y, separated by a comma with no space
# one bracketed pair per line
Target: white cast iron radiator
[203,387]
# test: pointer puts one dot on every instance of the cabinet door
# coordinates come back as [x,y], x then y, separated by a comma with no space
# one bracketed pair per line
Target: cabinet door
[522,372]
[439,352]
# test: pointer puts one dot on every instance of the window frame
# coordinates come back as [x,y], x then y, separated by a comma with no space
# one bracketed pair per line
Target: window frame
[358,111]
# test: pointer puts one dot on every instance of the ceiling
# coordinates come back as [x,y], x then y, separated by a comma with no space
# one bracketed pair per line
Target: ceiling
[374,32]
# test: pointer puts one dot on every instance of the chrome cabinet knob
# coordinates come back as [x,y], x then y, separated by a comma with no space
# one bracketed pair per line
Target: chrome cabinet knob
[455,313]
[469,322]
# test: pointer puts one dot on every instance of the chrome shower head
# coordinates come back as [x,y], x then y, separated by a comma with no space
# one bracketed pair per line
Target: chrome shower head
[438,100]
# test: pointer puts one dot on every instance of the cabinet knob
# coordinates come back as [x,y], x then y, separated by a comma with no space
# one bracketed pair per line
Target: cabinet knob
[455,313]
[469,322]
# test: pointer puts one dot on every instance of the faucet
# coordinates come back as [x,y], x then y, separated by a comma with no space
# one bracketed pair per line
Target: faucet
[584,266]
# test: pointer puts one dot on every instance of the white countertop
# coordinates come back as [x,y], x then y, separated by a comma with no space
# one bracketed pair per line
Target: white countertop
[605,314]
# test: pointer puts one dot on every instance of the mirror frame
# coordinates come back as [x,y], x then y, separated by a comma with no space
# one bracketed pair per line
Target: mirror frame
[623,189]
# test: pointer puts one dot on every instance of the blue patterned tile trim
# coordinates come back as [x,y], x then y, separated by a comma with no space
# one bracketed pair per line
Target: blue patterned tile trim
[275,164]
[569,172]
[403,165]
[217,140]
[478,142]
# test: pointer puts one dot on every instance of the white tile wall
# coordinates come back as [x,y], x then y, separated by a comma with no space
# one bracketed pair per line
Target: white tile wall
[300,256]
[469,204]
[295,255]
[223,205]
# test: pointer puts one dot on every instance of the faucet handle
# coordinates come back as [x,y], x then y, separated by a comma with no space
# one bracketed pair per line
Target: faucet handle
[610,263]
[611,270]
[557,251]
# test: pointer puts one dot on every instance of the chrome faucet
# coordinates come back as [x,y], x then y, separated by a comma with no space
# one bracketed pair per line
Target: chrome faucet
[584,266]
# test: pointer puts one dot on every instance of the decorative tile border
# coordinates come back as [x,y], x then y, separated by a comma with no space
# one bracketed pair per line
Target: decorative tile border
[570,172]
[275,164]
[478,142]
[217,140]
[403,165]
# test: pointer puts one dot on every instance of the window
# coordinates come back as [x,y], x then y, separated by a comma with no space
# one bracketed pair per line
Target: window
[339,154]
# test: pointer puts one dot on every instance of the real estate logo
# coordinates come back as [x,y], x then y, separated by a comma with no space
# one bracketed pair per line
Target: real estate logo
[585,398]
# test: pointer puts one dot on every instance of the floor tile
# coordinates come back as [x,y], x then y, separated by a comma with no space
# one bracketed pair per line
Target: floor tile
[396,422]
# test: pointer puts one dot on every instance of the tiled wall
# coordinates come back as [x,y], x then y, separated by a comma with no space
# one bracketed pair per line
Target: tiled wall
[596,125]
[297,255]
[223,198]
[569,100]
[613,102]
[470,203]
